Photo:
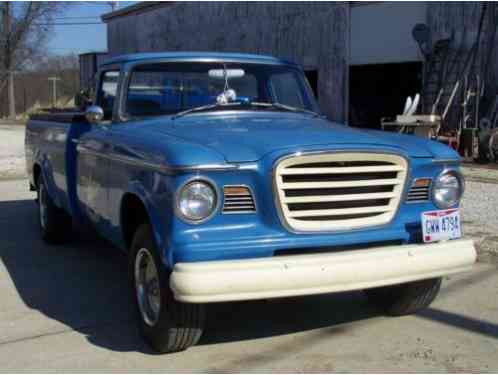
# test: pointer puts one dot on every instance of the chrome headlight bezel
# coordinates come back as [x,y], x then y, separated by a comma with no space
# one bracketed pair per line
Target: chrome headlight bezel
[437,182]
[179,212]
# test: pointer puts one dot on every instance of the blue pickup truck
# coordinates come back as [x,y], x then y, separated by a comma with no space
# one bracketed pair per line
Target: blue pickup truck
[220,179]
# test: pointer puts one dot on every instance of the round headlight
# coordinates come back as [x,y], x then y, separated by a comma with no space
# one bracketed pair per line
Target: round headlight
[196,201]
[447,189]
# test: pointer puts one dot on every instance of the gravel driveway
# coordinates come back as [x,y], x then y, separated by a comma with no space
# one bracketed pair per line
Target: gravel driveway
[66,308]
[12,163]
[480,216]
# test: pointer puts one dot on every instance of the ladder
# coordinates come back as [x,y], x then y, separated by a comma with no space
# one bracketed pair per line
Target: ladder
[441,80]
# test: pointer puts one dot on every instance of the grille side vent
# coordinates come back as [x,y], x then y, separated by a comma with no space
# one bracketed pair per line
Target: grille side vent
[238,200]
[419,191]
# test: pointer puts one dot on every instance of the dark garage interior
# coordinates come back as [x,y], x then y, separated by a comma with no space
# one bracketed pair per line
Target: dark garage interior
[380,90]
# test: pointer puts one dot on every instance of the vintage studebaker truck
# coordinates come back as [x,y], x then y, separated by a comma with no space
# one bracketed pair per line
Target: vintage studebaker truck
[219,178]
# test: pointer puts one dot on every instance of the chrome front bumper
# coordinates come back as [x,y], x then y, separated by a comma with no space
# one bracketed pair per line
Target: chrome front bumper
[295,275]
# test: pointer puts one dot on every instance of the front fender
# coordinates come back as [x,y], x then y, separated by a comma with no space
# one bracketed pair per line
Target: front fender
[156,217]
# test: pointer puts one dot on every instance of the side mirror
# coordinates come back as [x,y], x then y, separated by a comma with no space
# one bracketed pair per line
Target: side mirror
[82,100]
[94,114]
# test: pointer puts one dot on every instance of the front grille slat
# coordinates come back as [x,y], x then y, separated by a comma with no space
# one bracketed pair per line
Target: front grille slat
[338,217]
[335,191]
[338,177]
[341,204]
[334,184]
[341,170]
[238,200]
[342,163]
[339,191]
[340,211]
[337,198]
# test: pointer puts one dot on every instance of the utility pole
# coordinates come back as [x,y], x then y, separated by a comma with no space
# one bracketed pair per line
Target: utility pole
[114,5]
[7,29]
[54,89]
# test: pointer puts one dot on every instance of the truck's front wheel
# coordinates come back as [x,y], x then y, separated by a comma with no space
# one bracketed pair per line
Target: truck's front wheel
[55,224]
[405,299]
[166,324]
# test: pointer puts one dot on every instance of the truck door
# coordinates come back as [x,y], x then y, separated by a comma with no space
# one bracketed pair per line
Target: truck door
[92,156]
[55,140]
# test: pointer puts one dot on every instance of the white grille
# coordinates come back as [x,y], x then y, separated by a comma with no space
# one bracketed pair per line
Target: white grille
[339,191]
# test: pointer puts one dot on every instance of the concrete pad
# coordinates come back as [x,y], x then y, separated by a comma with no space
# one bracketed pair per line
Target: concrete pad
[67,308]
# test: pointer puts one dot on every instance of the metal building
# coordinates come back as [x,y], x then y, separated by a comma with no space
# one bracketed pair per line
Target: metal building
[361,58]
[89,64]
[315,35]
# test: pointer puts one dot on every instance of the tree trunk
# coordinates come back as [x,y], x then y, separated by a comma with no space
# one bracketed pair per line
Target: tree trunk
[7,29]
[12,103]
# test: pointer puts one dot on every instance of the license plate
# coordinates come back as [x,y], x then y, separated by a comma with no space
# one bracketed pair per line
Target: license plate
[441,225]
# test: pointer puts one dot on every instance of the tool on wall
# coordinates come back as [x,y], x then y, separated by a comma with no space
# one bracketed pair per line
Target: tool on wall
[456,79]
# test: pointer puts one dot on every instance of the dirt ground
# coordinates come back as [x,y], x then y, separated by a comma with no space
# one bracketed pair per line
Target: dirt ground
[12,162]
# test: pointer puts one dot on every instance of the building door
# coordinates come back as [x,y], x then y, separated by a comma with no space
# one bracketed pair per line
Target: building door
[312,77]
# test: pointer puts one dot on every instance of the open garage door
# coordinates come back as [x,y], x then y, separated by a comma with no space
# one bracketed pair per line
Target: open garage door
[380,90]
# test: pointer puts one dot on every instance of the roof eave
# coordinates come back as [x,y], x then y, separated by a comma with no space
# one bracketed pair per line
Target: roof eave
[142,7]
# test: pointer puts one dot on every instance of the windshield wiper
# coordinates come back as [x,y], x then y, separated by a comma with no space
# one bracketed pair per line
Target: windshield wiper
[279,106]
[284,107]
[203,108]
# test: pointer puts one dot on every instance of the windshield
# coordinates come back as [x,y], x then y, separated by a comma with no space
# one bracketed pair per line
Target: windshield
[170,88]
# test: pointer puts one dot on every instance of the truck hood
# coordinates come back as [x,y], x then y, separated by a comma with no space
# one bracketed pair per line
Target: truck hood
[248,136]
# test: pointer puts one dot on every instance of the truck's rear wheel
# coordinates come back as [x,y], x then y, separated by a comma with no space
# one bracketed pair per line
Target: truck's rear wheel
[166,324]
[55,224]
[405,299]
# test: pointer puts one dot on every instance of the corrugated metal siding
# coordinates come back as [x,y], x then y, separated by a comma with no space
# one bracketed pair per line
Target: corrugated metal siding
[89,64]
[315,35]
[463,18]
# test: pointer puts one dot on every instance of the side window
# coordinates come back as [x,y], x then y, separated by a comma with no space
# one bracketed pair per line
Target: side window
[287,90]
[107,92]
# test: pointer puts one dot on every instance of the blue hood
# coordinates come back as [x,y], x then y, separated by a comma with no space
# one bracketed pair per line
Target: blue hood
[248,136]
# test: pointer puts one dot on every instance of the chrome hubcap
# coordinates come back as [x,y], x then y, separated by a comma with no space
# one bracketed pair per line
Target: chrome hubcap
[43,207]
[147,287]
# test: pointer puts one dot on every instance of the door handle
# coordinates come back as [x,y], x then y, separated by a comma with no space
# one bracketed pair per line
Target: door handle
[76,141]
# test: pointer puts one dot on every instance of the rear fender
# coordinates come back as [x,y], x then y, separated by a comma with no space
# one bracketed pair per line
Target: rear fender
[47,174]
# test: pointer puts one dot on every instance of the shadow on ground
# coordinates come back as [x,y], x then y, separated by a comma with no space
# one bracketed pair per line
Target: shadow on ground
[84,286]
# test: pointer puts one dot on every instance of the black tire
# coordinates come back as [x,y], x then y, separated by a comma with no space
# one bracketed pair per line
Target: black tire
[405,299]
[176,326]
[54,223]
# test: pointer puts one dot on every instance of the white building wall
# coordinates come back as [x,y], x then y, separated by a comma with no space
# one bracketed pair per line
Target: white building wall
[382,32]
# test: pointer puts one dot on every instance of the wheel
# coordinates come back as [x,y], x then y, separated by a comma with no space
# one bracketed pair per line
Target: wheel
[55,224]
[166,324]
[405,299]
[493,145]
[484,152]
